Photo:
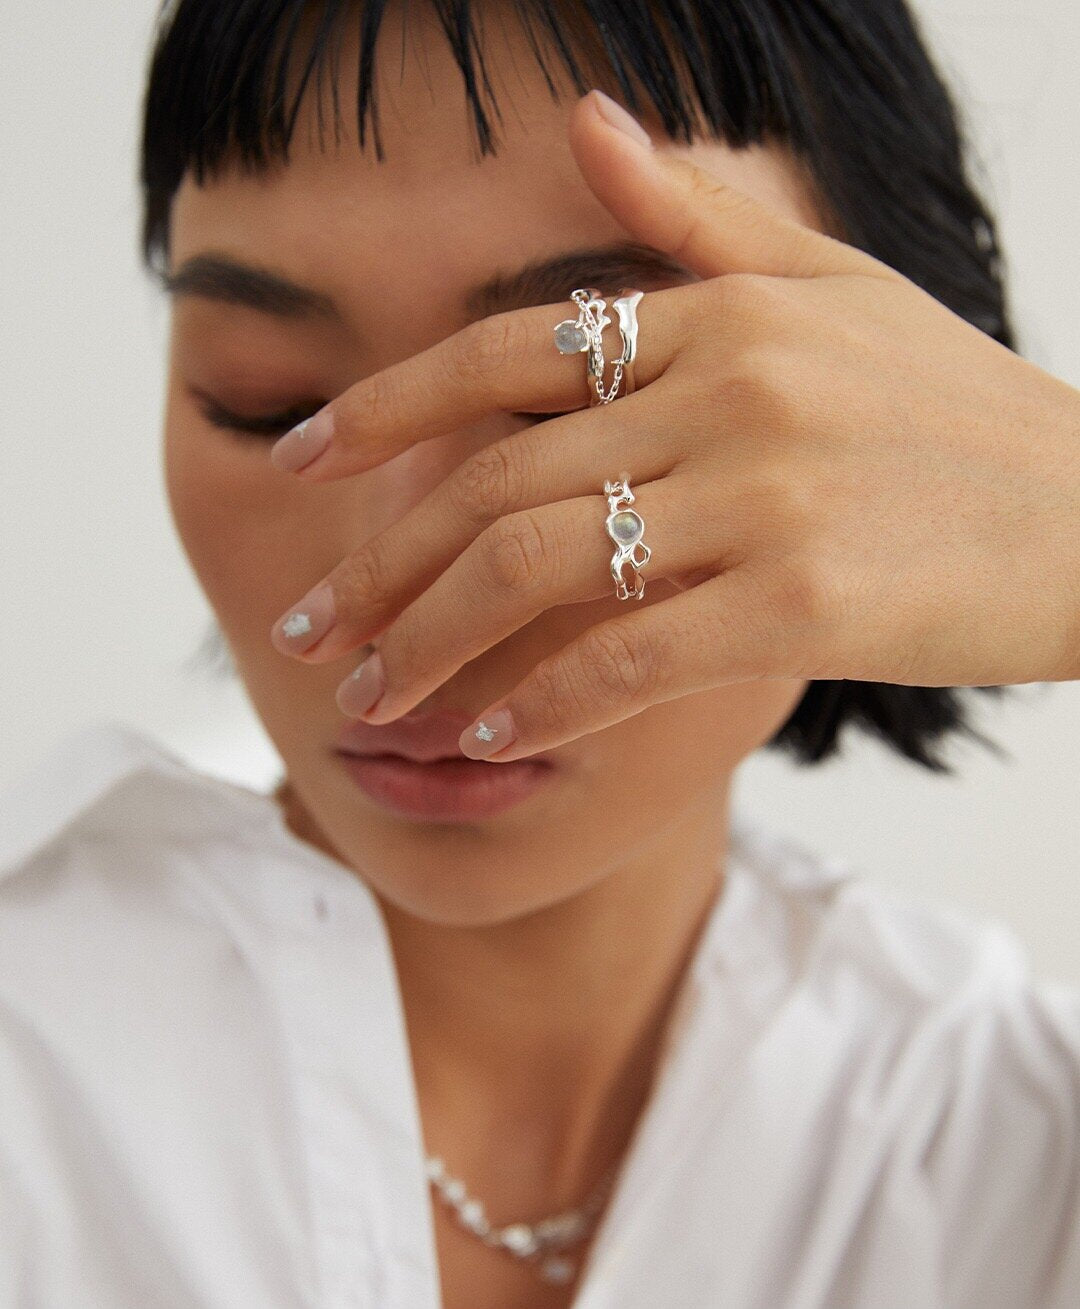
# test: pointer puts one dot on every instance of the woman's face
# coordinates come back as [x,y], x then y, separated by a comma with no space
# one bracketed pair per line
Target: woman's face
[398,245]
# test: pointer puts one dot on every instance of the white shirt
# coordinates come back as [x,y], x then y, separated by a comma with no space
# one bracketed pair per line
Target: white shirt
[206,1096]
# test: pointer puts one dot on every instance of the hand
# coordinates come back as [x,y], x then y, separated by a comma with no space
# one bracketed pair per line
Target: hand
[839,478]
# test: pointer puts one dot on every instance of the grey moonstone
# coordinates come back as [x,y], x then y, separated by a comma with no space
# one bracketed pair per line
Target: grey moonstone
[570,338]
[625,527]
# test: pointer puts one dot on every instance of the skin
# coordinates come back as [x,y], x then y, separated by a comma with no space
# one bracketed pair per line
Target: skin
[553,937]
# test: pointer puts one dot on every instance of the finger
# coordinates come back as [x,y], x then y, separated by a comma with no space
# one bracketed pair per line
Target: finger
[506,362]
[676,206]
[548,462]
[724,630]
[519,567]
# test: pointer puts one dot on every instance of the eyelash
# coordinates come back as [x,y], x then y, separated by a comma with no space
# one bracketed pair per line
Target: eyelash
[270,426]
[266,426]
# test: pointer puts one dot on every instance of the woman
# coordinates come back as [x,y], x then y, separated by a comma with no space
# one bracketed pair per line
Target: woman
[351,1044]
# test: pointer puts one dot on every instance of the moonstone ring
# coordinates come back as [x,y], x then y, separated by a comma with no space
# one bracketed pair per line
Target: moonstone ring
[585,335]
[626,527]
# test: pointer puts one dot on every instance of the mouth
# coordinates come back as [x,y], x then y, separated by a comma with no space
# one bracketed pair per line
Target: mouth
[393,754]
[449,788]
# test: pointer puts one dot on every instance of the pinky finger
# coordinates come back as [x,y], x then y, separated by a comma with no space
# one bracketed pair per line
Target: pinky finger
[723,630]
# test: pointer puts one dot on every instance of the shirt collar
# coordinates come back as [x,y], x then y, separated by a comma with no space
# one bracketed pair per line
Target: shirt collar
[83,770]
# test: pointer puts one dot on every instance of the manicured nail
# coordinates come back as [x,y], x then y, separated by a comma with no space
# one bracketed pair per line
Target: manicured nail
[304,443]
[493,732]
[360,690]
[306,623]
[622,121]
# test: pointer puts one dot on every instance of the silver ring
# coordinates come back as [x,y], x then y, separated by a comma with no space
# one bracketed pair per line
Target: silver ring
[626,308]
[585,335]
[626,527]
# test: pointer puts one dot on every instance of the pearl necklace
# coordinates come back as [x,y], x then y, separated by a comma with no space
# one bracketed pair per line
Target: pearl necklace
[528,1241]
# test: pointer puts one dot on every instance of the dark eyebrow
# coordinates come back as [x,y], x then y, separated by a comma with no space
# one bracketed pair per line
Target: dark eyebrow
[547,281]
[219,277]
[543,281]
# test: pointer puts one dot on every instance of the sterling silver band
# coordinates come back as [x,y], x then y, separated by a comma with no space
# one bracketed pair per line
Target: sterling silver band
[626,308]
[626,528]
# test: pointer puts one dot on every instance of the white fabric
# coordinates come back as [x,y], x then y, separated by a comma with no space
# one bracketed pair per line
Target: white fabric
[206,1099]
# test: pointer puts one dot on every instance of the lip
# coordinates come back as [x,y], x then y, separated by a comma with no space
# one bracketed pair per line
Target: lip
[423,737]
[413,766]
[450,790]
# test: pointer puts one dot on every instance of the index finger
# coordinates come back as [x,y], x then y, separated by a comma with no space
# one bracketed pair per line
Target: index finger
[507,361]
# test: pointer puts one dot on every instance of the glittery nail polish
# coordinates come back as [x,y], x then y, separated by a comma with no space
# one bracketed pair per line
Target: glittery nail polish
[493,732]
[306,623]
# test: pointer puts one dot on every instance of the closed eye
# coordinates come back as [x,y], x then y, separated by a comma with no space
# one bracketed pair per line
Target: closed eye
[259,425]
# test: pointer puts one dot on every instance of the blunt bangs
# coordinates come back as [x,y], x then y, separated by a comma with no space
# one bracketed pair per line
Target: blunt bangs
[220,78]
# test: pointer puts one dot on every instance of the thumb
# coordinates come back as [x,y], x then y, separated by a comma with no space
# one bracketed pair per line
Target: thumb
[677,207]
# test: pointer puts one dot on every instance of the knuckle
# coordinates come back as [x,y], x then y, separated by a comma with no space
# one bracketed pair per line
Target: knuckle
[516,555]
[774,508]
[372,406]
[755,628]
[752,294]
[489,484]
[624,664]
[760,380]
[486,349]
[363,583]
[801,599]
[550,697]
[717,199]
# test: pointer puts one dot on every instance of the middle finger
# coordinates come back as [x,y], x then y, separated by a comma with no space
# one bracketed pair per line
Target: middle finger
[506,362]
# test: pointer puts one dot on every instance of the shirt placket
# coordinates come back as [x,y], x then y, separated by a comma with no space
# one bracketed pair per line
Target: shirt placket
[355,1097]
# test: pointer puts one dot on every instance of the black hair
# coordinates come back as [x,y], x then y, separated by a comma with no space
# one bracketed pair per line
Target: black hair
[848,85]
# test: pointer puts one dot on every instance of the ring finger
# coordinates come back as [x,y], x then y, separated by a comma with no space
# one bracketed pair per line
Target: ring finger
[517,568]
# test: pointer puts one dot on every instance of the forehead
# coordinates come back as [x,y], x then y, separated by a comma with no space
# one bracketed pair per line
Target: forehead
[434,213]
[432,196]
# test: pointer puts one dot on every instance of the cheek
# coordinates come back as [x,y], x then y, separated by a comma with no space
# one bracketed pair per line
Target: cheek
[717,729]
[659,761]
[258,539]
[235,523]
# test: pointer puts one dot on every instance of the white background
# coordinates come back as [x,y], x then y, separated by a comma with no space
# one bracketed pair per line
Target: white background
[101,612]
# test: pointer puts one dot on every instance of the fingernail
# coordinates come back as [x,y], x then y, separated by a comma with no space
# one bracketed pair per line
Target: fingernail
[304,443]
[622,121]
[306,623]
[493,732]
[360,690]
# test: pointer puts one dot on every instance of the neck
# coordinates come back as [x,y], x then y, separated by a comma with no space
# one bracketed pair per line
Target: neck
[543,1033]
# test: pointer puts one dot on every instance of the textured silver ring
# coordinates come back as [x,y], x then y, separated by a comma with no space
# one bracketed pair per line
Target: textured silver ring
[626,527]
[585,335]
[626,307]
